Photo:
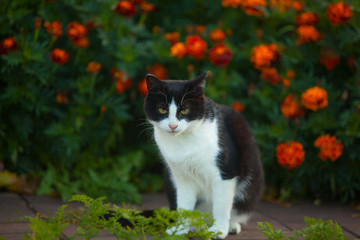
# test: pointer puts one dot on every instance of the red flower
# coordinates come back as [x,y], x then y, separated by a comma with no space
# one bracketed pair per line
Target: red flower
[196,47]
[59,56]
[307,18]
[291,108]
[237,106]
[158,70]
[308,33]
[8,45]
[76,31]
[290,155]
[217,35]
[329,59]
[61,97]
[125,8]
[339,13]
[122,81]
[329,146]
[220,55]
[54,29]
[142,87]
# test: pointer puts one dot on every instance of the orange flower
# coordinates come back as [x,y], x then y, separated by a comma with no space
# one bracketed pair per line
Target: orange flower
[172,37]
[178,50]
[54,29]
[196,47]
[307,34]
[220,55]
[158,70]
[329,59]
[37,22]
[147,7]
[290,155]
[59,56]
[8,45]
[314,98]
[238,106]
[123,82]
[307,18]
[290,74]
[253,7]
[61,97]
[200,29]
[263,55]
[338,13]
[81,42]
[93,67]
[270,75]
[217,35]
[142,87]
[329,146]
[284,5]
[125,8]
[76,31]
[231,3]
[291,108]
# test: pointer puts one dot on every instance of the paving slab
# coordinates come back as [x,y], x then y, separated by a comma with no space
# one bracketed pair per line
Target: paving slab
[13,208]
[14,231]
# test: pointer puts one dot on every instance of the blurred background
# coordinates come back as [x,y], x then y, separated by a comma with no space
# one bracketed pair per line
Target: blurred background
[72,90]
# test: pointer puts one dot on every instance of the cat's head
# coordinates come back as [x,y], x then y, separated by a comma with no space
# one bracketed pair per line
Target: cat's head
[175,106]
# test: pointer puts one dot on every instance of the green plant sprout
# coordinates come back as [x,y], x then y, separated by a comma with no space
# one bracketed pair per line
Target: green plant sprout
[316,229]
[90,222]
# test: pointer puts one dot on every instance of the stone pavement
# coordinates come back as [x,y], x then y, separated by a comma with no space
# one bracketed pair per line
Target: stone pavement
[14,206]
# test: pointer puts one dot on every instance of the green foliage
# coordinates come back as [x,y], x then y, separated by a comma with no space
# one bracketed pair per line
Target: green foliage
[79,132]
[90,222]
[316,229]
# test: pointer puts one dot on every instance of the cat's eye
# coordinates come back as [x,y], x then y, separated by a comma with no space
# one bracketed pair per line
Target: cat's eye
[162,110]
[184,111]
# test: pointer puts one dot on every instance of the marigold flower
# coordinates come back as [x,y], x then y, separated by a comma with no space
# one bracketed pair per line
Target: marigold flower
[93,67]
[8,45]
[290,155]
[81,42]
[290,74]
[338,13]
[217,35]
[238,106]
[200,29]
[220,55]
[76,31]
[59,56]
[61,97]
[329,59]
[307,18]
[308,33]
[142,87]
[263,55]
[147,7]
[291,108]
[297,5]
[172,37]
[195,46]
[231,3]
[123,82]
[125,8]
[329,146]
[314,98]
[54,29]
[253,7]
[270,75]
[37,22]
[158,70]
[178,50]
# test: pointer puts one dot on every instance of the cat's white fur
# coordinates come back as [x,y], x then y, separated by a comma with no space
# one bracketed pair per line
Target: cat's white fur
[190,151]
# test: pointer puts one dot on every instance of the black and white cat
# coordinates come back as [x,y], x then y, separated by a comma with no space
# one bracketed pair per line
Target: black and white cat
[212,158]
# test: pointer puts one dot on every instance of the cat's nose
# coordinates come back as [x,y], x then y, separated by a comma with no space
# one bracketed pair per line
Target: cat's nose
[173,126]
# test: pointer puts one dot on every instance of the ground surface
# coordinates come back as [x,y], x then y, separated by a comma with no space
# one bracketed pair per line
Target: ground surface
[14,206]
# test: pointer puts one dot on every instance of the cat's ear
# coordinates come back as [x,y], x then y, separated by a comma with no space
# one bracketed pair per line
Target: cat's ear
[153,83]
[200,81]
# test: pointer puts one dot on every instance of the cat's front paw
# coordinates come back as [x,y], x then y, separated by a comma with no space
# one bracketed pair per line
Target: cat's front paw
[178,230]
[222,231]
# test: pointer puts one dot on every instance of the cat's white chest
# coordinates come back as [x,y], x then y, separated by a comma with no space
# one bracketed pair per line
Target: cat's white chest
[192,153]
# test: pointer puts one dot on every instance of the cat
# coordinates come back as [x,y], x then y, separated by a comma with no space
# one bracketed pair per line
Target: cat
[211,156]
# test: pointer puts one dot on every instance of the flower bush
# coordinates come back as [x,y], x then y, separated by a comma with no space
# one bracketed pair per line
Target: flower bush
[72,89]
